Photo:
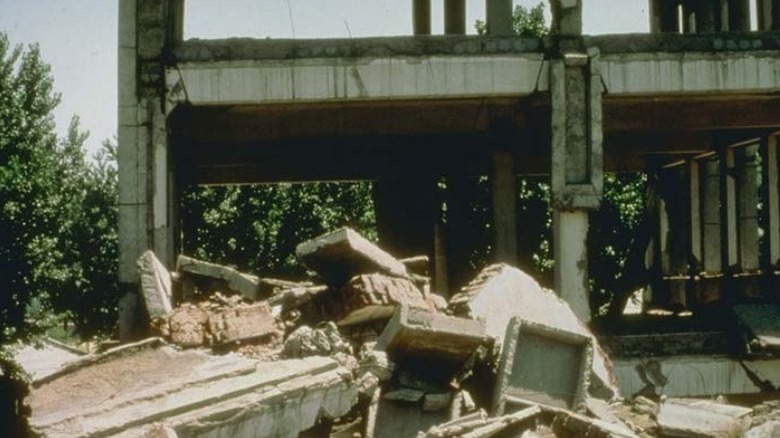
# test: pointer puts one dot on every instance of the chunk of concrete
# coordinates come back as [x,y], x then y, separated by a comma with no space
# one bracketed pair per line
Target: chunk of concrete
[221,277]
[243,323]
[543,365]
[501,292]
[342,254]
[155,282]
[702,418]
[370,297]
[770,429]
[430,345]
[323,341]
[186,326]
[760,325]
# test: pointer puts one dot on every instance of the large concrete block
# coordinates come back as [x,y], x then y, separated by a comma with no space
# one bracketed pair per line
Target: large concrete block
[431,345]
[501,292]
[342,254]
[242,323]
[244,284]
[542,364]
[702,418]
[155,285]
[370,297]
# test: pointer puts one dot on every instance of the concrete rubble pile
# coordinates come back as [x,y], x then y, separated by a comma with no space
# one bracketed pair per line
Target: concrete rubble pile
[363,349]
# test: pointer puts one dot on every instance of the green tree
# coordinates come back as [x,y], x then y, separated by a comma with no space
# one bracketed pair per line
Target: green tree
[29,219]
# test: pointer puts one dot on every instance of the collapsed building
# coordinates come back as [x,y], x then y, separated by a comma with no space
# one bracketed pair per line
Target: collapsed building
[694,103]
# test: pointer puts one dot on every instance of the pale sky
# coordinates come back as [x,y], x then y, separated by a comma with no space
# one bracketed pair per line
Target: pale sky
[78,37]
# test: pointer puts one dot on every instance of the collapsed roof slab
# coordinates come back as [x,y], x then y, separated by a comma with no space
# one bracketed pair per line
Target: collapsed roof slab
[190,392]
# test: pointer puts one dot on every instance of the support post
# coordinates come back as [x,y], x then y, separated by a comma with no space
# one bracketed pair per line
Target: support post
[695,261]
[146,30]
[664,16]
[747,207]
[771,200]
[739,15]
[454,17]
[768,14]
[710,209]
[577,160]
[705,16]
[499,17]
[729,210]
[504,184]
[421,17]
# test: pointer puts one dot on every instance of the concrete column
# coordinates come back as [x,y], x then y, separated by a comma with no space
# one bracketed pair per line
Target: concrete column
[738,15]
[570,231]
[768,14]
[664,16]
[747,207]
[705,12]
[577,160]
[729,210]
[499,17]
[695,224]
[770,198]
[146,196]
[710,210]
[454,17]
[504,185]
[421,17]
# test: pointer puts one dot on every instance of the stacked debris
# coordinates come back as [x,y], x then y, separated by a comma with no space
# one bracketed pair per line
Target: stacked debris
[361,349]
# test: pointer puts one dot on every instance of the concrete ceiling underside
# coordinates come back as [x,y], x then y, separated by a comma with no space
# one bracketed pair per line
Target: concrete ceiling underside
[371,140]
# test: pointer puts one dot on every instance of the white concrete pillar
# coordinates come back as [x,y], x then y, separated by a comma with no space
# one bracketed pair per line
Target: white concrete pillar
[695,200]
[768,14]
[570,231]
[729,209]
[504,185]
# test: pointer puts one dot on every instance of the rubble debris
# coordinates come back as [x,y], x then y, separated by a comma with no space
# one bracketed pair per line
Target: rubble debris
[342,254]
[394,419]
[155,282]
[296,296]
[542,364]
[218,322]
[191,393]
[702,418]
[370,297]
[435,346]
[501,292]
[760,324]
[477,425]
[216,278]
[417,265]
[324,341]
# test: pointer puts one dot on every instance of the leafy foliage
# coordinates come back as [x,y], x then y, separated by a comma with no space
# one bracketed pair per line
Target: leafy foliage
[257,228]
[58,244]
[526,22]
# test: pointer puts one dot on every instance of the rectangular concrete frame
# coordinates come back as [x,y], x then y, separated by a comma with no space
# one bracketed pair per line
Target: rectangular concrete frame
[574,351]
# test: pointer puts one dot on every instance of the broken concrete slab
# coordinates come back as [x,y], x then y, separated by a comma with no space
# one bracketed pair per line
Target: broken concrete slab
[155,283]
[767,371]
[760,324]
[543,365]
[370,297]
[191,393]
[770,429]
[567,423]
[430,345]
[686,376]
[221,277]
[702,418]
[394,419]
[46,358]
[342,254]
[501,292]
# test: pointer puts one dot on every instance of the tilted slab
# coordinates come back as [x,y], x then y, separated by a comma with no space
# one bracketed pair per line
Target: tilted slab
[501,292]
[195,394]
[245,284]
[342,254]
[155,285]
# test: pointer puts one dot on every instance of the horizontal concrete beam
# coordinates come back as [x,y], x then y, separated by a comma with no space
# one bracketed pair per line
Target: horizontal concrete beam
[425,77]
[349,79]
